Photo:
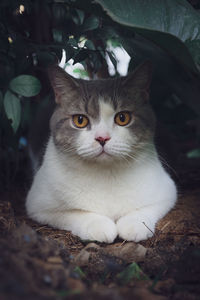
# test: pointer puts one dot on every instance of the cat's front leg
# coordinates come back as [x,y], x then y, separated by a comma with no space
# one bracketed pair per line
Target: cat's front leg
[135,227]
[91,226]
[140,224]
[86,225]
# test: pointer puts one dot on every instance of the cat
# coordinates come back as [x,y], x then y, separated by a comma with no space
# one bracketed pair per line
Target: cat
[101,176]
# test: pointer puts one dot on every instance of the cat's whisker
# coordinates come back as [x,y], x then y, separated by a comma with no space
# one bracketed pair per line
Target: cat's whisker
[91,153]
[69,151]
[152,152]
[65,145]
[126,160]
[122,148]
[165,163]
[85,150]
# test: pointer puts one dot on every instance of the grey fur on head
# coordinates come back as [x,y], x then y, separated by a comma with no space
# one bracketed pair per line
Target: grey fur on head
[74,96]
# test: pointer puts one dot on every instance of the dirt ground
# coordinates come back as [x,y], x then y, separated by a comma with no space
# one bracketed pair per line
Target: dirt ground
[38,262]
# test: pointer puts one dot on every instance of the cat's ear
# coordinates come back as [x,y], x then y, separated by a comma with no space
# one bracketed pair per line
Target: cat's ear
[140,78]
[64,85]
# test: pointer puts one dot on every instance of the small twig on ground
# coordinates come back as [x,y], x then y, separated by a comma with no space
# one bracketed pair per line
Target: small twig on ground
[124,241]
[148,227]
[155,237]
[40,228]
[165,226]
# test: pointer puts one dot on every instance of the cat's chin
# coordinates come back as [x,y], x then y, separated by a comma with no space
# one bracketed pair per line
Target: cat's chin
[101,158]
[104,157]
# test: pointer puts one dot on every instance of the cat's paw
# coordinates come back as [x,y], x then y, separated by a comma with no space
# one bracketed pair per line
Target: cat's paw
[101,229]
[134,229]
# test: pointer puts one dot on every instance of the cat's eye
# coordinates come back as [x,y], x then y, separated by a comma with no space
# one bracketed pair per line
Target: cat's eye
[80,121]
[122,118]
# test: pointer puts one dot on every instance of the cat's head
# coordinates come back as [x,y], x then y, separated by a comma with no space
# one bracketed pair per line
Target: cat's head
[102,120]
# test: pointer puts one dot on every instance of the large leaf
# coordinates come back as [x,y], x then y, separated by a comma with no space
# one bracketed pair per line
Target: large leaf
[25,85]
[12,108]
[194,47]
[1,100]
[90,23]
[168,23]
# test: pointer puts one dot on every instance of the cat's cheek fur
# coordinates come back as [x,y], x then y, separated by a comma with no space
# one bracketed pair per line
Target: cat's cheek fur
[121,144]
[86,145]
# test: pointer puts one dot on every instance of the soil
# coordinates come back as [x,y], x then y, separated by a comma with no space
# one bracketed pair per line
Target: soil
[39,262]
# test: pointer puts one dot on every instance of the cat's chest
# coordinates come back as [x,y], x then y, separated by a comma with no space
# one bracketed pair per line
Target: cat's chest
[113,191]
[109,193]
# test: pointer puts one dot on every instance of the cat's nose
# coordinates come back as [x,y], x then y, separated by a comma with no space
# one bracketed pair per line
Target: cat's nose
[102,140]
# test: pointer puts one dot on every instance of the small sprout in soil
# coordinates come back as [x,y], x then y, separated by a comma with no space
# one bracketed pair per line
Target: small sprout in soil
[133,271]
[79,272]
[64,293]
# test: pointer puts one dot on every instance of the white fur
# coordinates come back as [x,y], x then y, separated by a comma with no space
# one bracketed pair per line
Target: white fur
[99,196]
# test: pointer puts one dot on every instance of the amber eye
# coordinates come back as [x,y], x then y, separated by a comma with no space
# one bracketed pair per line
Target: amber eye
[122,118]
[80,121]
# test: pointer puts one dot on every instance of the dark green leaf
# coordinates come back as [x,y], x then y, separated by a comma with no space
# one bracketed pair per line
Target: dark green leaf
[176,17]
[194,47]
[82,55]
[81,15]
[1,100]
[64,294]
[102,52]
[25,85]
[115,43]
[59,11]
[73,42]
[95,60]
[79,272]
[69,50]
[82,73]
[89,45]
[12,108]
[194,153]
[46,58]
[132,271]
[112,58]
[168,23]
[57,36]
[91,23]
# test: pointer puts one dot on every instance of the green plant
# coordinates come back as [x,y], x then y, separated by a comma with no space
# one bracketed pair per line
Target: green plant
[131,272]
[33,34]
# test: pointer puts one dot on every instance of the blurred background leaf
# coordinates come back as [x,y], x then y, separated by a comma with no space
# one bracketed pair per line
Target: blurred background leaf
[164,22]
[25,85]
[13,109]
[86,37]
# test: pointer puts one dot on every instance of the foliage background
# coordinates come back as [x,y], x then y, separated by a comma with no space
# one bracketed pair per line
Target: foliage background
[33,34]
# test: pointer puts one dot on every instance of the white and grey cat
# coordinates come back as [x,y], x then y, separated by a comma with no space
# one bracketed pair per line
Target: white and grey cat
[101,176]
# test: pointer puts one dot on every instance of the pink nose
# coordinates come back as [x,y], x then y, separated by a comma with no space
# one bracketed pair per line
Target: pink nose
[102,140]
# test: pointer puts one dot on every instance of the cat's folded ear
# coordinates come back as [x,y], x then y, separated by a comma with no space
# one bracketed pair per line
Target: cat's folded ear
[64,85]
[140,78]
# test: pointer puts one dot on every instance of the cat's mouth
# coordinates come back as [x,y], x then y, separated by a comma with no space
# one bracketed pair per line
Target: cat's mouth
[103,153]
